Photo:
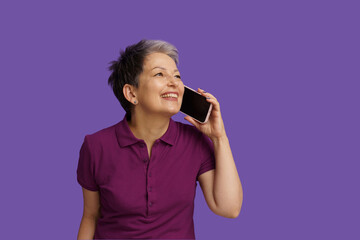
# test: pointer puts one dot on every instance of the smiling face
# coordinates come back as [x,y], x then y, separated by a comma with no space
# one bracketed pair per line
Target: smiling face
[160,89]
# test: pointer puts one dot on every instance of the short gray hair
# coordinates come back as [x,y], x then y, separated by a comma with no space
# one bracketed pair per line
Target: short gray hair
[129,66]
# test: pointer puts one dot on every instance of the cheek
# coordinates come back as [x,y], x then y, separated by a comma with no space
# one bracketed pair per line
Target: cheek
[181,88]
[152,89]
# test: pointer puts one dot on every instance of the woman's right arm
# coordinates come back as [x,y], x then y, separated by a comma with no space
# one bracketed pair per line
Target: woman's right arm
[90,215]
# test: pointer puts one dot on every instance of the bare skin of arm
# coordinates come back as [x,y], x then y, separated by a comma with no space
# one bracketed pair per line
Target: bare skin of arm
[221,187]
[90,215]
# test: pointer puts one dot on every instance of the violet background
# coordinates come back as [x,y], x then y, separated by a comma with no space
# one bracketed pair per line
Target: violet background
[286,74]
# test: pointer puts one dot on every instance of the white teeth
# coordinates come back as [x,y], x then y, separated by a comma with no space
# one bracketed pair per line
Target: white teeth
[172,95]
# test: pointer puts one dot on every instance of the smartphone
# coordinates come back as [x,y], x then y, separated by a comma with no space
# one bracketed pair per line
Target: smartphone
[195,105]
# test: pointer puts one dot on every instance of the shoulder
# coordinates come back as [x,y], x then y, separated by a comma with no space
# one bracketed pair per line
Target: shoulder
[191,134]
[101,136]
[187,129]
[188,132]
[195,141]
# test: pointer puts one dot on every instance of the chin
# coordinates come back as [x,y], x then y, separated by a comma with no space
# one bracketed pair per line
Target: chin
[172,112]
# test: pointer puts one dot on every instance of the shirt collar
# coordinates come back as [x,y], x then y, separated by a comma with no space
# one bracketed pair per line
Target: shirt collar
[125,137]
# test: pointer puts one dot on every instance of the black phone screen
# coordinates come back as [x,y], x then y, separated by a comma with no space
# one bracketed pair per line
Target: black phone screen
[195,105]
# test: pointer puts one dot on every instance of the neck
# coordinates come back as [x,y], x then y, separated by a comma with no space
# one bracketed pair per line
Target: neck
[148,127]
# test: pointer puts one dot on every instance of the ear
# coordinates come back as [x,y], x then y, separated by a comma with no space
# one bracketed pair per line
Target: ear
[129,93]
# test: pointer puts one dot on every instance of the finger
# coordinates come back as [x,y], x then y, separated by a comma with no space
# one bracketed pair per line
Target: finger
[209,95]
[215,103]
[192,121]
[210,98]
[206,94]
[201,91]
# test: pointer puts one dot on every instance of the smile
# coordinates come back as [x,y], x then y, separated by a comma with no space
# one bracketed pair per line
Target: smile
[169,95]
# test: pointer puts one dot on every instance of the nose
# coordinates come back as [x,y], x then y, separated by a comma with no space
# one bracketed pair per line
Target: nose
[172,80]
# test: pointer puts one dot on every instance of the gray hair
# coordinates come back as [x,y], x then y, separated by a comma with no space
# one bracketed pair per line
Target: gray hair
[129,66]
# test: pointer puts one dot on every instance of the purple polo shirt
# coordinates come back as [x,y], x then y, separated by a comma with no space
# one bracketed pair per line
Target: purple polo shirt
[141,197]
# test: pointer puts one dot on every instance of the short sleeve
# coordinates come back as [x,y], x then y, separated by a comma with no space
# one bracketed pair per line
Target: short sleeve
[86,167]
[206,149]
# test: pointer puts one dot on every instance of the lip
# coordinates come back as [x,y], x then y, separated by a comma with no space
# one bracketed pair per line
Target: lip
[177,94]
[170,98]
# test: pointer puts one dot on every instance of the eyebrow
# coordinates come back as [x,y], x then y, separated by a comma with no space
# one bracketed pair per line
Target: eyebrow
[176,70]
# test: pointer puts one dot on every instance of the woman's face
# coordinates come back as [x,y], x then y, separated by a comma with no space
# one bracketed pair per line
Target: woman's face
[160,89]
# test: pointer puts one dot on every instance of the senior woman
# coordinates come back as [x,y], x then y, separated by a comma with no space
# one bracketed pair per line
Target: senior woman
[139,176]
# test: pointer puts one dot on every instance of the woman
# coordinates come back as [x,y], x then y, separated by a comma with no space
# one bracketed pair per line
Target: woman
[139,176]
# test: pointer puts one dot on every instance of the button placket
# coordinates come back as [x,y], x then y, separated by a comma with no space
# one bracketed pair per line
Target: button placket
[150,179]
[146,161]
[150,191]
[144,154]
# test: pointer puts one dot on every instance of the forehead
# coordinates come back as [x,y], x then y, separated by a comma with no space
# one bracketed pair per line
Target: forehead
[159,59]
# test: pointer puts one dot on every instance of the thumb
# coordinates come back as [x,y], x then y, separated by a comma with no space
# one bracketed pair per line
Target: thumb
[192,121]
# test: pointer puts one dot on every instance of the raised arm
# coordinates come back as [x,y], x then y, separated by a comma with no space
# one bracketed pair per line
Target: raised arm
[221,187]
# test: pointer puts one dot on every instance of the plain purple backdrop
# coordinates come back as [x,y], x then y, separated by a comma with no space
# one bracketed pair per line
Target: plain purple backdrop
[286,74]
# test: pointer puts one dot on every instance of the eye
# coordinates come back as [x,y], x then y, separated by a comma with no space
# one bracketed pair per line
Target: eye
[178,76]
[158,74]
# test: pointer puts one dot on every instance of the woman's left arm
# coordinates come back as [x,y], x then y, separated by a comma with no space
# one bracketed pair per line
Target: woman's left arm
[222,189]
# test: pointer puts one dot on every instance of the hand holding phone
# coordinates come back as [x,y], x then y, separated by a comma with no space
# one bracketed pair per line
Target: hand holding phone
[195,105]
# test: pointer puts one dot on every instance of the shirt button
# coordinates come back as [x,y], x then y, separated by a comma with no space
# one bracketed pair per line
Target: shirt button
[145,160]
[150,189]
[150,204]
[150,174]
